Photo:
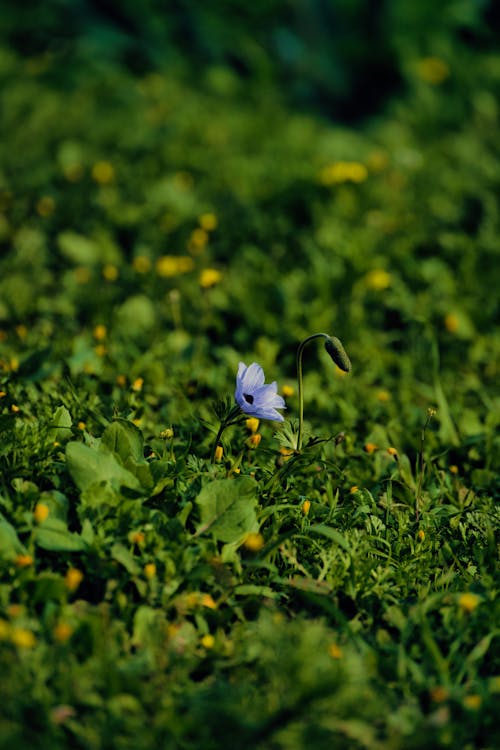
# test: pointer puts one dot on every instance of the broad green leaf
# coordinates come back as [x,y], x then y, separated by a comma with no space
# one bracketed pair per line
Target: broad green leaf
[332,534]
[123,556]
[78,248]
[55,536]
[227,508]
[88,466]
[124,439]
[9,541]
[60,425]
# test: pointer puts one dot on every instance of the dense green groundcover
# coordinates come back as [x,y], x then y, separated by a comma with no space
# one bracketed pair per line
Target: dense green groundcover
[153,233]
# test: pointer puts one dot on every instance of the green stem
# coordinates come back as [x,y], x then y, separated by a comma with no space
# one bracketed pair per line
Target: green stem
[299,381]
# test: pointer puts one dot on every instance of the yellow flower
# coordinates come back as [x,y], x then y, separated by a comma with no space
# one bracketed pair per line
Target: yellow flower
[383,396]
[453,469]
[451,323]
[392,452]
[73,579]
[23,561]
[421,535]
[121,380]
[167,434]
[343,171]
[209,277]
[208,222]
[173,265]
[136,537]
[45,206]
[468,601]
[252,424]
[370,447]
[207,601]
[150,570]
[41,512]
[433,70]
[197,240]
[81,426]
[219,451]
[306,506]
[22,638]
[254,542]
[137,384]
[100,332]
[334,651]
[288,391]
[354,489]
[14,408]
[207,641]
[103,172]
[141,264]
[472,702]
[63,632]
[110,272]
[378,279]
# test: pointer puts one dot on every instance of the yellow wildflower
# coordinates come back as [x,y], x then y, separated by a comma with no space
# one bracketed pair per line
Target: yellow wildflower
[137,537]
[209,277]
[63,632]
[254,542]
[207,641]
[110,272]
[41,512]
[141,264]
[472,702]
[173,265]
[103,172]
[252,424]
[137,384]
[343,171]
[219,451]
[378,279]
[22,638]
[150,570]
[451,322]
[81,426]
[73,579]
[23,561]
[100,332]
[468,601]
[392,452]
[306,506]
[208,222]
[421,535]
[14,408]
[383,396]
[288,391]
[370,447]
[334,651]
[207,601]
[197,240]
[254,440]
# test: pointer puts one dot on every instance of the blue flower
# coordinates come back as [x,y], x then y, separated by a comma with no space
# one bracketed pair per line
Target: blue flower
[254,397]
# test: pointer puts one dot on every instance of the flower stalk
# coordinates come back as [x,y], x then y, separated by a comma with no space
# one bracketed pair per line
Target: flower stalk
[339,356]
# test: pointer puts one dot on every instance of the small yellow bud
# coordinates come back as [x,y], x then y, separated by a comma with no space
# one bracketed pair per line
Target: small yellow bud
[63,632]
[150,570]
[208,222]
[383,396]
[254,440]
[421,535]
[207,601]
[14,408]
[334,651]
[254,542]
[468,601]
[81,426]
[103,172]
[378,280]
[100,332]
[22,638]
[73,579]
[354,489]
[288,391]
[137,384]
[137,537]
[141,264]
[121,380]
[252,424]
[370,447]
[110,272]
[41,512]
[472,702]
[219,451]
[306,506]
[451,323]
[207,641]
[167,434]
[392,452]
[453,469]
[23,561]
[209,277]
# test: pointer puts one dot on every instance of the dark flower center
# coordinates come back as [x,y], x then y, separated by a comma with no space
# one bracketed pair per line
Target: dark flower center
[248,398]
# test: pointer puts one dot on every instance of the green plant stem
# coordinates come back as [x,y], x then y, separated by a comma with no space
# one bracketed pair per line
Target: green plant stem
[299,382]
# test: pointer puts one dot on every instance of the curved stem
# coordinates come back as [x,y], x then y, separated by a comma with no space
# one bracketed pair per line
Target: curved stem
[299,381]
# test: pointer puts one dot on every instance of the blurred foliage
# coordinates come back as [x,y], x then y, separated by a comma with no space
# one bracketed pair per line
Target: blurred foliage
[171,204]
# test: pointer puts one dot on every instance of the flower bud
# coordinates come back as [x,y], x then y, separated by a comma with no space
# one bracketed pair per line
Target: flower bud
[338,354]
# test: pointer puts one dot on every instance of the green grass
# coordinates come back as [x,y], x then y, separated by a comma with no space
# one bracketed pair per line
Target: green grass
[344,596]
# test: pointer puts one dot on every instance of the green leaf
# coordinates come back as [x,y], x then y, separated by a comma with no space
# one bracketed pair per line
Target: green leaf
[78,248]
[123,556]
[227,508]
[55,536]
[88,466]
[60,425]
[124,439]
[332,534]
[9,541]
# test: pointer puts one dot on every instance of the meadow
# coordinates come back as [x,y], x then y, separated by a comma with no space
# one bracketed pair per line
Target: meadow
[323,582]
